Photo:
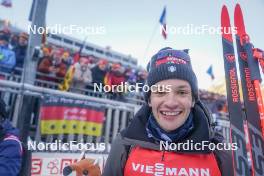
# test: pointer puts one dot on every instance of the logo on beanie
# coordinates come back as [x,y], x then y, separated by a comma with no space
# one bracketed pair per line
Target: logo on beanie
[170,60]
[171,68]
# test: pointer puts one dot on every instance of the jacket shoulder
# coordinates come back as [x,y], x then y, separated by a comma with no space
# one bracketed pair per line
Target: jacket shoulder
[117,158]
[224,160]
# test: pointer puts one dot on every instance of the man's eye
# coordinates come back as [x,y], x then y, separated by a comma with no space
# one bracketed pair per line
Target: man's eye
[183,92]
[159,92]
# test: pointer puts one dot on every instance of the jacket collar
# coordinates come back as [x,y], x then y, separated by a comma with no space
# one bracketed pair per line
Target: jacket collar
[136,132]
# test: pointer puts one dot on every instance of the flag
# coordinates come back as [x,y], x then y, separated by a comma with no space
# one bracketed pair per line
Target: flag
[66,84]
[6,3]
[78,54]
[162,21]
[44,40]
[210,72]
[60,115]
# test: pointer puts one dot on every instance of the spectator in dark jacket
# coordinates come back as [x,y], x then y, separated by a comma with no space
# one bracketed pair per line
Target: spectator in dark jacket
[141,78]
[130,76]
[99,72]
[21,50]
[14,40]
[10,146]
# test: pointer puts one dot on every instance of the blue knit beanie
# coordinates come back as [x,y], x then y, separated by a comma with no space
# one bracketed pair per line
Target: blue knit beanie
[169,63]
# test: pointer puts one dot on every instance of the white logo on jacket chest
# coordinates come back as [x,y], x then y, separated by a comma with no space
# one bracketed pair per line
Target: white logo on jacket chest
[159,169]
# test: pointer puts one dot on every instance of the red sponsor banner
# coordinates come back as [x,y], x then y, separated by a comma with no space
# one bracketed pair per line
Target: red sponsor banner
[175,163]
[36,166]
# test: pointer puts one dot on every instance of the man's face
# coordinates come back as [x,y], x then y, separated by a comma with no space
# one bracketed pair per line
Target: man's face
[22,41]
[3,42]
[84,61]
[171,108]
[102,66]
[46,53]
[56,55]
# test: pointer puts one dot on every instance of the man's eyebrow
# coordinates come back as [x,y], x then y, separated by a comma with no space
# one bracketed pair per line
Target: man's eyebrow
[182,87]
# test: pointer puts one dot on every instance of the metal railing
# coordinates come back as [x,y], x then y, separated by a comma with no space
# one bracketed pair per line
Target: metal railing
[117,114]
[135,98]
[222,125]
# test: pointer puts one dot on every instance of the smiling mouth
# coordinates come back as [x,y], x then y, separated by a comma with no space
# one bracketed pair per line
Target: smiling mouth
[170,115]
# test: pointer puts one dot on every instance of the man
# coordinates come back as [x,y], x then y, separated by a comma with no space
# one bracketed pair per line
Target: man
[7,56]
[82,75]
[174,116]
[53,67]
[10,146]
[21,50]
[99,72]
[141,77]
[114,77]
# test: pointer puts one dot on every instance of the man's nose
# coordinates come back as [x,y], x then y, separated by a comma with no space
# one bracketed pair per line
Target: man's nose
[171,101]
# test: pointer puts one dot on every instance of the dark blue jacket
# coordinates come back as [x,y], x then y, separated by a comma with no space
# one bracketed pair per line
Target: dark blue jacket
[10,150]
[20,52]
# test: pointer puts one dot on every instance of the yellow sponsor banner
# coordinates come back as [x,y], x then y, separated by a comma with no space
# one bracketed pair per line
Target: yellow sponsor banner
[70,127]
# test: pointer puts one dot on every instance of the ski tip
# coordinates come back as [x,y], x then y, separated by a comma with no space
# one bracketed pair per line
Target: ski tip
[239,21]
[224,8]
[224,11]
[238,8]
[225,24]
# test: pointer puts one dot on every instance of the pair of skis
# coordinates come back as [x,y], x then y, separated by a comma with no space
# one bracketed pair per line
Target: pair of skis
[247,124]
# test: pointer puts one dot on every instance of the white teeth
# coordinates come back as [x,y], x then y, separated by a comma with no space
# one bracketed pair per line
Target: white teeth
[170,113]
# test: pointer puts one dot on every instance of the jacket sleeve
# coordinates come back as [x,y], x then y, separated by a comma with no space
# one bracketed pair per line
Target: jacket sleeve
[76,75]
[224,160]
[44,66]
[116,160]
[88,77]
[10,158]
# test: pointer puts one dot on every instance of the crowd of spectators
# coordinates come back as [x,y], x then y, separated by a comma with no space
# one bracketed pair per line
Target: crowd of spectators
[216,102]
[55,62]
[75,72]
[12,50]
